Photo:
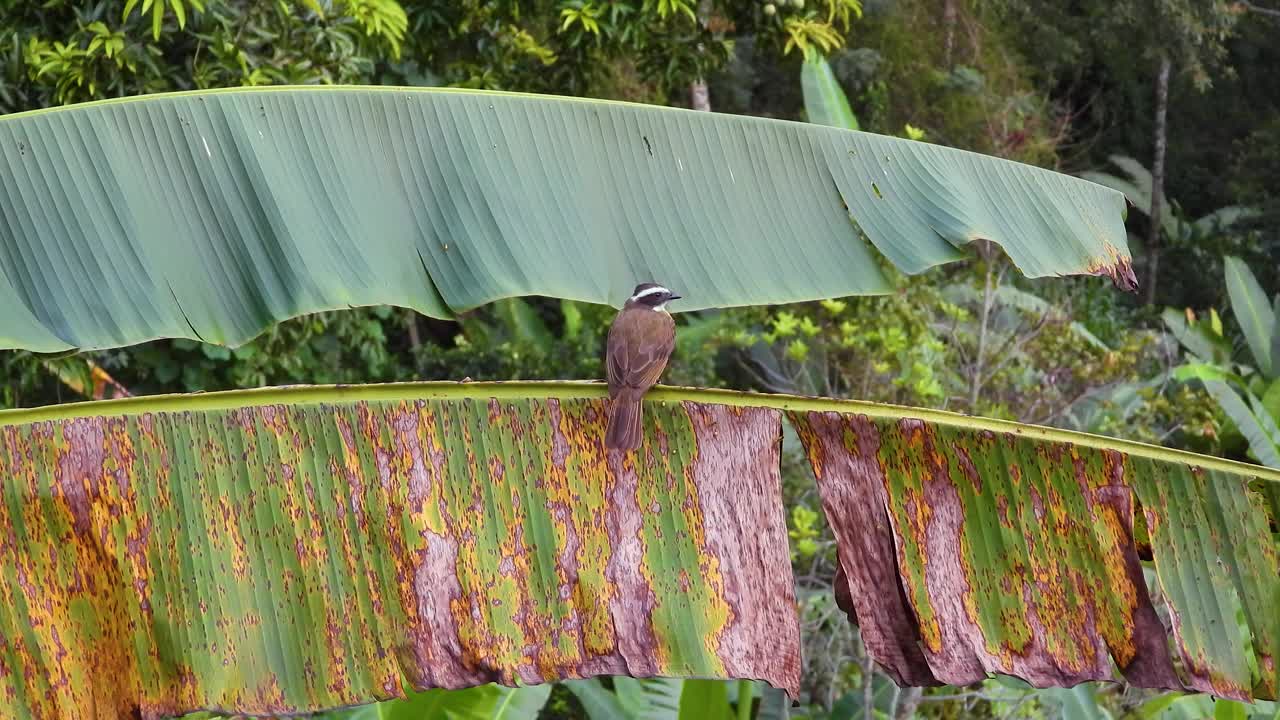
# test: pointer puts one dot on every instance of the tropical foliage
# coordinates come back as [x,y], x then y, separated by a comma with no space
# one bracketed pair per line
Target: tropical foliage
[1247,389]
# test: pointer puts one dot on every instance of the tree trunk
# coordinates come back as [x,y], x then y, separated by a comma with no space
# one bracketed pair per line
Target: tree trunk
[699,96]
[908,702]
[949,28]
[415,339]
[411,326]
[1157,179]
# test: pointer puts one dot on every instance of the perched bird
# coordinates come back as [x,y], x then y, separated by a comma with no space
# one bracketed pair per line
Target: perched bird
[640,343]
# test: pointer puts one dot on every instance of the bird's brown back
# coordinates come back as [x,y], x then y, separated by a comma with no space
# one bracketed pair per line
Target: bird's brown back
[640,343]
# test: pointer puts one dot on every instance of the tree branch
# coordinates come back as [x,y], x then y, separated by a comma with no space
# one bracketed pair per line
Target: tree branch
[1244,4]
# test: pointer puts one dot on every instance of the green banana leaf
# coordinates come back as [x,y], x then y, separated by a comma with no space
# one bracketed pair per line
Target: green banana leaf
[824,101]
[1198,338]
[1253,312]
[704,700]
[652,699]
[1258,426]
[1078,703]
[210,215]
[600,702]
[1275,334]
[1174,706]
[1136,186]
[486,702]
[296,549]
[1270,400]
[1203,372]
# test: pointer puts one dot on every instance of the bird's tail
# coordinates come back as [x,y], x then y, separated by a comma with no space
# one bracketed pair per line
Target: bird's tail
[624,431]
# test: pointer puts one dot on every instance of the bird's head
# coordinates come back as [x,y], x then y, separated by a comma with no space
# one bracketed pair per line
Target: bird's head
[651,295]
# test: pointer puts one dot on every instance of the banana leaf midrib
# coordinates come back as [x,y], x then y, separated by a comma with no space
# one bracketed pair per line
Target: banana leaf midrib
[579,389]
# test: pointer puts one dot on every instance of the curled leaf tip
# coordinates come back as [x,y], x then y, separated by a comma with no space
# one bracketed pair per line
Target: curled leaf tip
[1120,270]
[1123,277]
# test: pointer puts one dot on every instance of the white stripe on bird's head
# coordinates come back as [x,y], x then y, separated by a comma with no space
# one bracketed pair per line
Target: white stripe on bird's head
[655,290]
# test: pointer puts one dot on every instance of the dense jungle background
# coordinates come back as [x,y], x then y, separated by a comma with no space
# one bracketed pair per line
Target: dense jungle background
[1175,102]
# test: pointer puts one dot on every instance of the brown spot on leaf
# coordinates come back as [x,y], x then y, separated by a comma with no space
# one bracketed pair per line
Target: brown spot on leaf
[853,496]
[1051,518]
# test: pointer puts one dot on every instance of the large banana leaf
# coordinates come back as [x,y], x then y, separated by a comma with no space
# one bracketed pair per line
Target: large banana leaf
[278,551]
[1016,550]
[301,548]
[213,214]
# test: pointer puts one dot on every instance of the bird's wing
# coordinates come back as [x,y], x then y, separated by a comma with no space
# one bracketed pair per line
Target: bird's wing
[655,352]
[639,362]
[616,362]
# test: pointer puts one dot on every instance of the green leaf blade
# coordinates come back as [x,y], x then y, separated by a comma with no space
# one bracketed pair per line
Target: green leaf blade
[1275,333]
[824,100]
[1199,340]
[442,200]
[1252,311]
[704,699]
[1259,430]
[599,702]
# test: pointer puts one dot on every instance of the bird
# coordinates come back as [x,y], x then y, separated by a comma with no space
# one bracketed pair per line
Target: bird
[641,339]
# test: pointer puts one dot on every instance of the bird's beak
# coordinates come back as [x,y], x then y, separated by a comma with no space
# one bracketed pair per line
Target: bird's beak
[674,297]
